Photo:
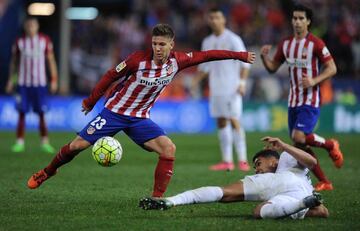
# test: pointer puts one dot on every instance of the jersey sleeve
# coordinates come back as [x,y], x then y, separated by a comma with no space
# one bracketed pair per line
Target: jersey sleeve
[15,50]
[321,51]
[279,55]
[122,70]
[49,45]
[240,46]
[204,67]
[193,58]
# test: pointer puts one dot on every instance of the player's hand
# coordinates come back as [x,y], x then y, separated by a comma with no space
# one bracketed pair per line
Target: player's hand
[273,143]
[84,108]
[307,81]
[265,50]
[242,89]
[9,87]
[251,57]
[53,87]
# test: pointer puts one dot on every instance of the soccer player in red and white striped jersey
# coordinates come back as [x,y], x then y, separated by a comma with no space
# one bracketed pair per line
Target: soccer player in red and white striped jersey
[139,81]
[30,52]
[304,52]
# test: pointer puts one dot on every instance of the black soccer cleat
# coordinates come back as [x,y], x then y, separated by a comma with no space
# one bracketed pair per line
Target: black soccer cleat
[150,203]
[313,200]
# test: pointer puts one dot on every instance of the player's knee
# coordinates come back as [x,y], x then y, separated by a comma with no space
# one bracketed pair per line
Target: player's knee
[168,150]
[298,138]
[79,145]
[171,149]
[221,123]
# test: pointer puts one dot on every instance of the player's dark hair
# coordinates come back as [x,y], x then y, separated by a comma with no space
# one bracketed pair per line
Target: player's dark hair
[303,8]
[163,30]
[29,18]
[266,153]
[215,9]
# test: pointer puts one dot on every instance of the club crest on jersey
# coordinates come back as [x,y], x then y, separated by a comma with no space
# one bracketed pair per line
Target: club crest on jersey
[90,130]
[121,66]
[304,53]
[169,69]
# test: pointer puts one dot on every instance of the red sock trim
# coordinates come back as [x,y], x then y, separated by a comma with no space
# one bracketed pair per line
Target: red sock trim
[163,174]
[20,130]
[310,140]
[318,172]
[64,156]
[42,125]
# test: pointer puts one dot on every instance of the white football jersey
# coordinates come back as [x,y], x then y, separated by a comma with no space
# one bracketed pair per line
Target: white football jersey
[288,163]
[224,75]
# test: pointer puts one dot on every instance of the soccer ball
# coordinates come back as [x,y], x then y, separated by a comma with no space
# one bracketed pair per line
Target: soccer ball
[107,151]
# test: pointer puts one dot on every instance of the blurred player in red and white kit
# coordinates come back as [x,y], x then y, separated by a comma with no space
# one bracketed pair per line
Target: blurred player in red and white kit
[142,77]
[30,52]
[304,52]
[227,79]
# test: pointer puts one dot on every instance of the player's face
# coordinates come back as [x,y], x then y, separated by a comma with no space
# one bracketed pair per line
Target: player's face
[265,165]
[300,22]
[216,21]
[31,27]
[161,46]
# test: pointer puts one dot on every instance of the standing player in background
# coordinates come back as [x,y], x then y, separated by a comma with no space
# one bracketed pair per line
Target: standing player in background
[29,53]
[227,80]
[140,80]
[302,52]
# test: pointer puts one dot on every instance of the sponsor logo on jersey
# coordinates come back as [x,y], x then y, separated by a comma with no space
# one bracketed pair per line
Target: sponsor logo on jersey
[90,130]
[299,63]
[155,81]
[121,66]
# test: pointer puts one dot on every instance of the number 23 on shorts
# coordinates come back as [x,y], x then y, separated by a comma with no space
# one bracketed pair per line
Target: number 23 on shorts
[98,122]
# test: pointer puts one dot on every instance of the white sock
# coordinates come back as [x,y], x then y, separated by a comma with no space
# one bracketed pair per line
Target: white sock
[277,210]
[225,138]
[240,144]
[44,140]
[199,195]
[20,141]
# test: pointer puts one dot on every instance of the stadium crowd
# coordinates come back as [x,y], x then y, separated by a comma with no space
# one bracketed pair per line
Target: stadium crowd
[114,36]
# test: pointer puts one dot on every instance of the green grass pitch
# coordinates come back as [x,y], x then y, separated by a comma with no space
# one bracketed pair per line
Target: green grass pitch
[86,196]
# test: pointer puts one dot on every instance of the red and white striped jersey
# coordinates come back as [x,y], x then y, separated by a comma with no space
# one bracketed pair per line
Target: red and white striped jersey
[32,52]
[141,81]
[302,57]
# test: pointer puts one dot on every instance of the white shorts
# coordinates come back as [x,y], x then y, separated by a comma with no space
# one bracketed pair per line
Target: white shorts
[263,187]
[226,106]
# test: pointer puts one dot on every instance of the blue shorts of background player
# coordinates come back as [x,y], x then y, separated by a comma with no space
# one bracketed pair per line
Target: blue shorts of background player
[108,123]
[303,118]
[34,98]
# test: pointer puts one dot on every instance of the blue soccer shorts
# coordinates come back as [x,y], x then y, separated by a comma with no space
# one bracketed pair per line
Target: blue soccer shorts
[31,97]
[108,123]
[303,118]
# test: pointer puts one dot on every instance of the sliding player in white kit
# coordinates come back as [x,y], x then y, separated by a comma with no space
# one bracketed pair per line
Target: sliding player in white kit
[281,183]
[227,80]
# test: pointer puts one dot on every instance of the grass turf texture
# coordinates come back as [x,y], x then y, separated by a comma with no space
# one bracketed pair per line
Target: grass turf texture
[86,196]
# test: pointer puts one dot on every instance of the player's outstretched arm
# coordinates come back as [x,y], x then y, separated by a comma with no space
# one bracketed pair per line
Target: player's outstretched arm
[193,58]
[270,64]
[301,156]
